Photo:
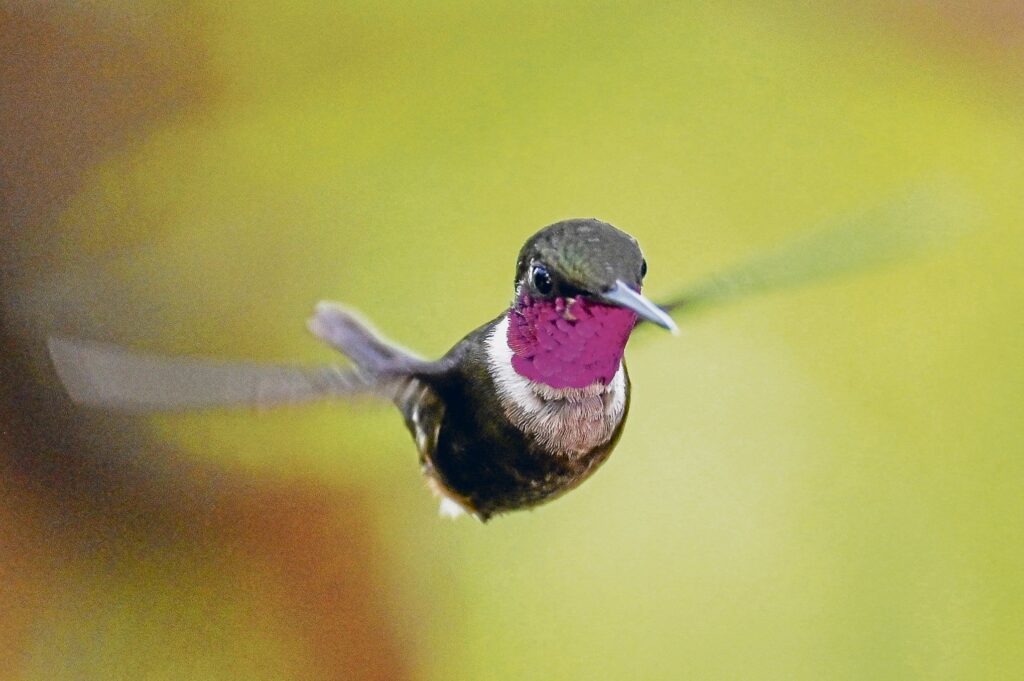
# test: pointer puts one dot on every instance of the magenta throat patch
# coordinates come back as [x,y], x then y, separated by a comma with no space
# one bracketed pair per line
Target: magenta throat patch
[568,345]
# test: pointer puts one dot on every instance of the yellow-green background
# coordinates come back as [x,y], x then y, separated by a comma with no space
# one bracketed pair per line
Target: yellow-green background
[821,484]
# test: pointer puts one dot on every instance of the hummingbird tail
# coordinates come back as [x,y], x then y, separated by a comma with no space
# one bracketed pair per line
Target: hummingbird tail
[346,331]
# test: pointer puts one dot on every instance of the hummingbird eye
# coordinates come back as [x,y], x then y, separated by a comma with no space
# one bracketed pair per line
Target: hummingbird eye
[643,269]
[542,280]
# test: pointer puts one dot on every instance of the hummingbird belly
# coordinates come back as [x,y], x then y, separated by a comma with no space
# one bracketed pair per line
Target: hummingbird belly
[490,449]
[494,467]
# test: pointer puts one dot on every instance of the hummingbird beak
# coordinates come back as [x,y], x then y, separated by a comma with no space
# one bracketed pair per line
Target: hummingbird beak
[622,295]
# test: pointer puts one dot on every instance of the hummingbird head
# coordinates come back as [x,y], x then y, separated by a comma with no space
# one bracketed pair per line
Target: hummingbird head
[577,299]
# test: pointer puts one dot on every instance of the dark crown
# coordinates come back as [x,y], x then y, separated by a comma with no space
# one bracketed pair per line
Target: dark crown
[584,254]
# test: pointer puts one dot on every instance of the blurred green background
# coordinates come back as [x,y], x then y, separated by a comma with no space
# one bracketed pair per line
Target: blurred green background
[818,484]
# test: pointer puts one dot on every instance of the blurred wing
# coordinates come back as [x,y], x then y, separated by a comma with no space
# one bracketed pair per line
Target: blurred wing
[111,377]
[890,233]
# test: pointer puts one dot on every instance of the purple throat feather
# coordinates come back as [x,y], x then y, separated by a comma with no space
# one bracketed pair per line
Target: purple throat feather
[568,343]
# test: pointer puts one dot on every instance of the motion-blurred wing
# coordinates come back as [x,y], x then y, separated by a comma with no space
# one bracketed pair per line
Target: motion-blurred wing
[890,233]
[107,376]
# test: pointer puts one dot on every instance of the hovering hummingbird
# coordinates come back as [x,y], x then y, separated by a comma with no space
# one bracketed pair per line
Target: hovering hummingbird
[522,409]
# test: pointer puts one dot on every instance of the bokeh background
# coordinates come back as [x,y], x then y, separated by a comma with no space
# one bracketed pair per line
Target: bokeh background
[818,484]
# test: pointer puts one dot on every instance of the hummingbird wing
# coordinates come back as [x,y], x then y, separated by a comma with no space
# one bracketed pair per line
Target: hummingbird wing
[112,377]
[892,232]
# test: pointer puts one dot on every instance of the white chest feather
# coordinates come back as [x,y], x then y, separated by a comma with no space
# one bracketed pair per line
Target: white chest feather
[568,421]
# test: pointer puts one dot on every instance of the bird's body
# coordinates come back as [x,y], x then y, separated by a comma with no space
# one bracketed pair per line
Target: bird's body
[527,406]
[530,404]
[492,441]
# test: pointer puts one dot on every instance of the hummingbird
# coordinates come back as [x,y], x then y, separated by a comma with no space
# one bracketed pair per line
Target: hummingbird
[525,407]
